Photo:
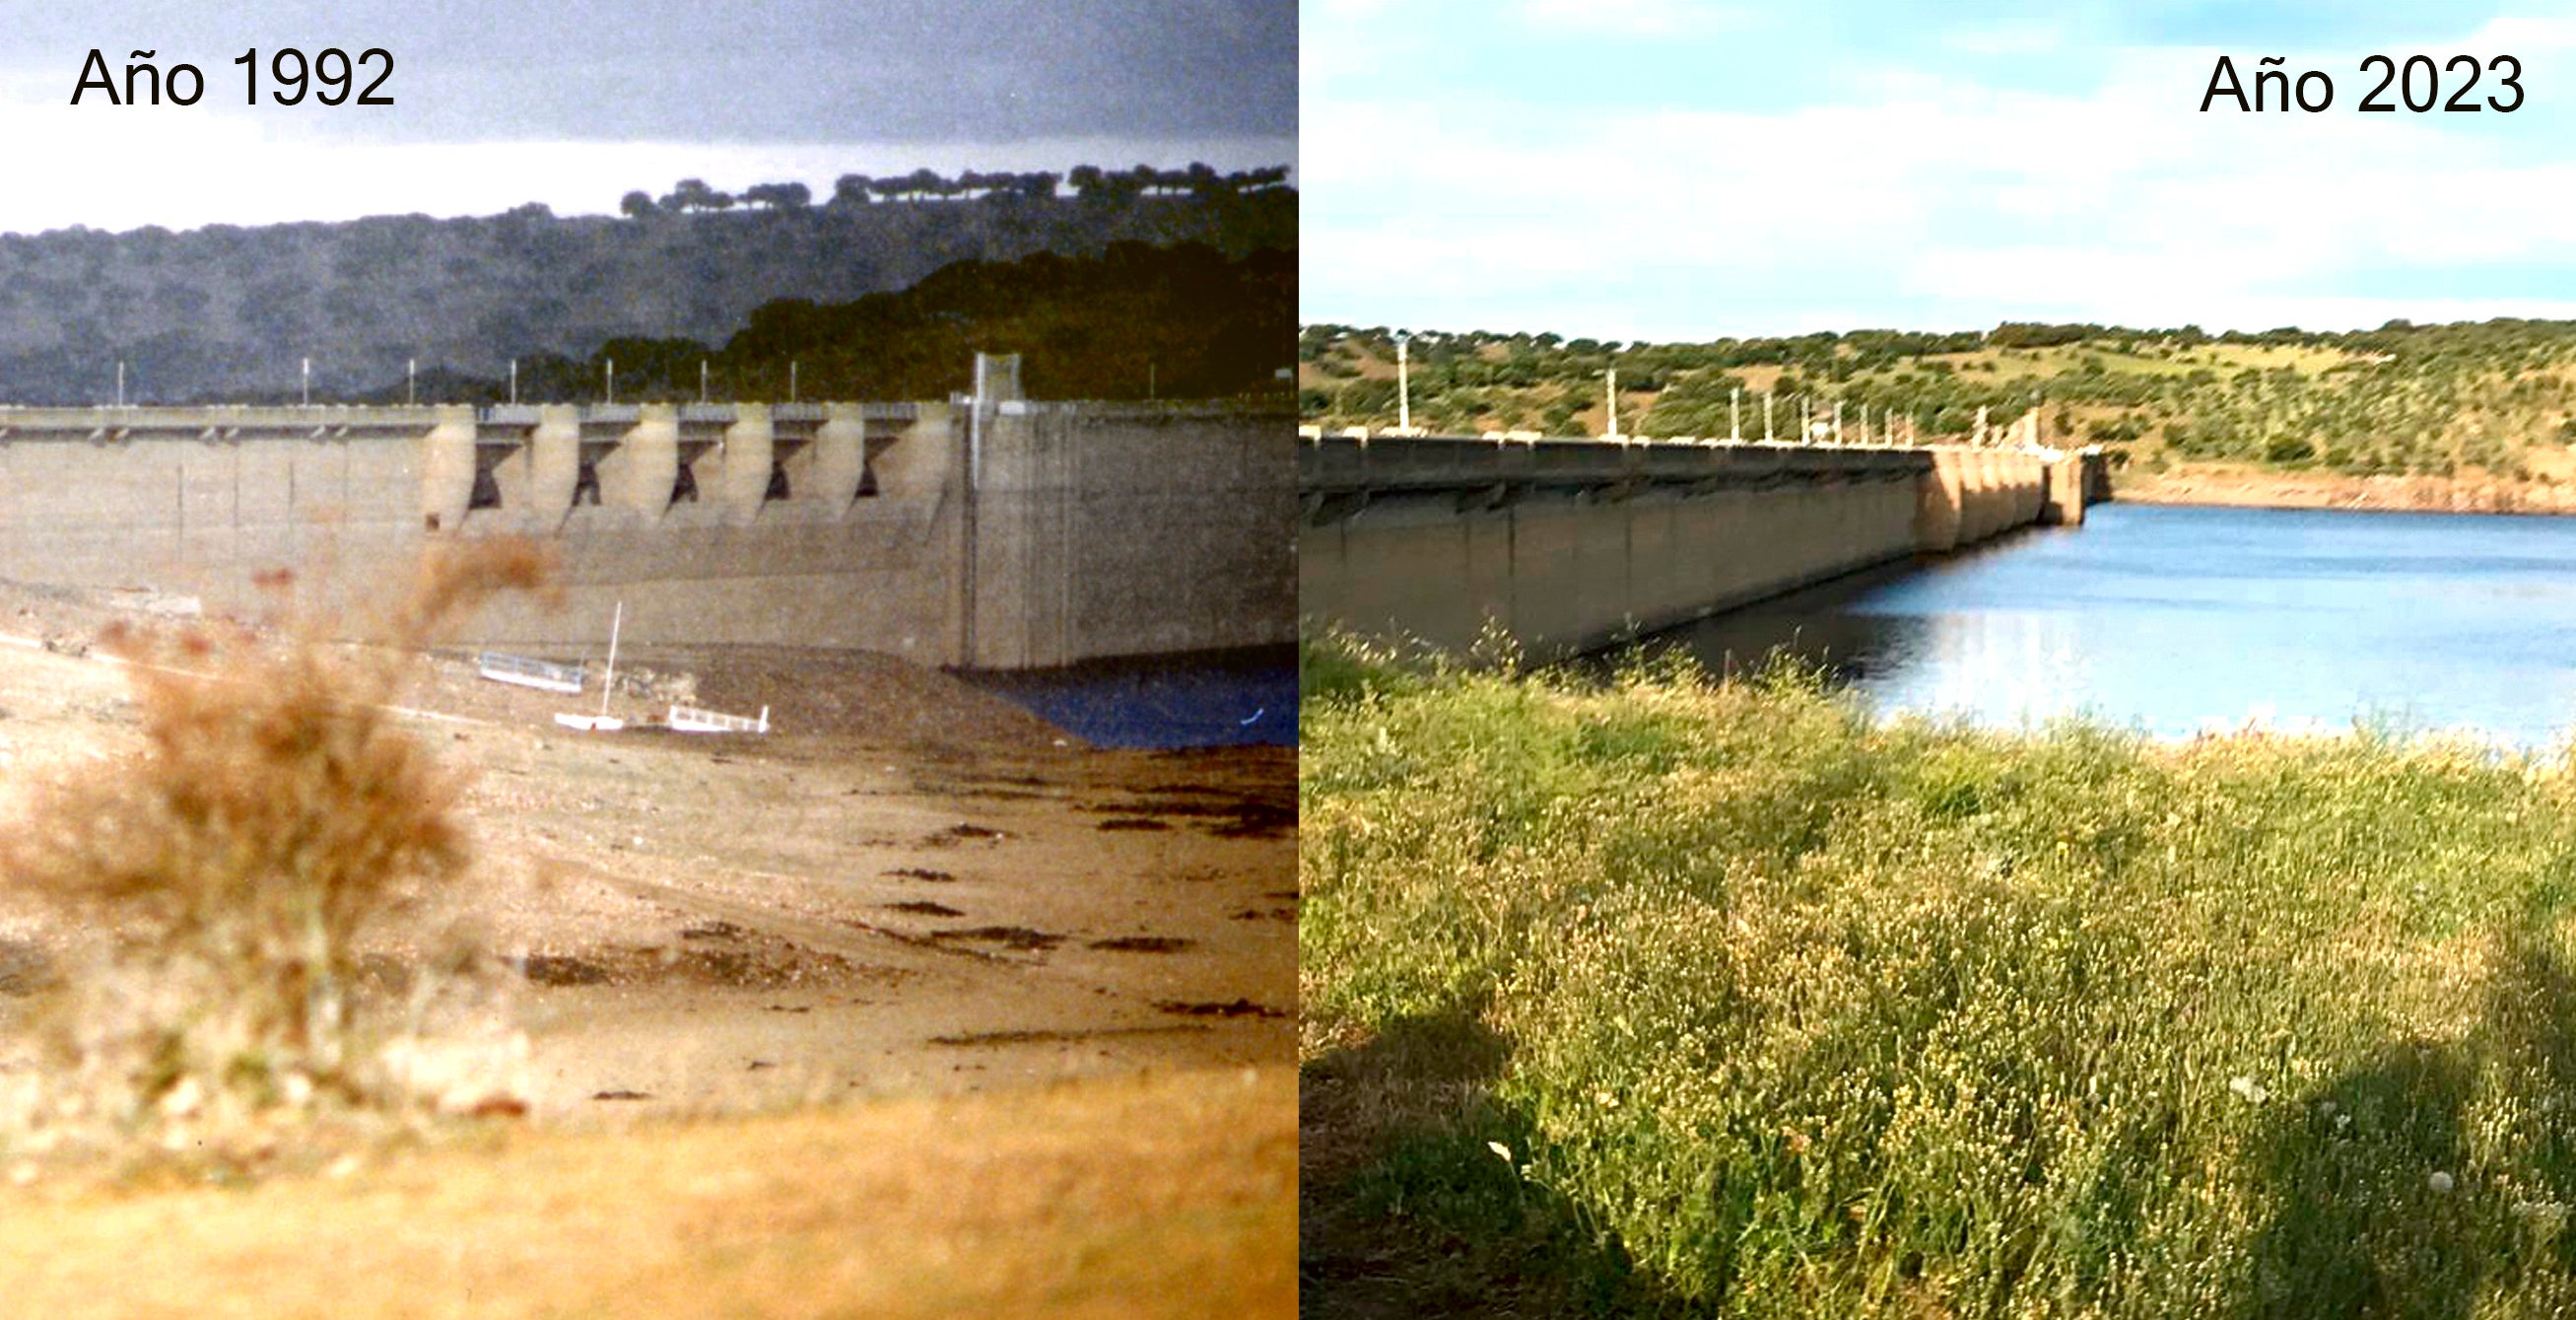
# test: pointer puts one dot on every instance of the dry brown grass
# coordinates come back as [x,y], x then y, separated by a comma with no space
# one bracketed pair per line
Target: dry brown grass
[275,810]
[1166,1196]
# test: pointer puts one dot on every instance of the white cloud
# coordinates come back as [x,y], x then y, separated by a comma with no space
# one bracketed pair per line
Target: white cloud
[2123,204]
[1337,12]
[2523,36]
[1634,18]
[2027,40]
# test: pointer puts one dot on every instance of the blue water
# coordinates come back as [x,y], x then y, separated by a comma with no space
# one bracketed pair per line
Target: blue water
[2181,619]
[1215,700]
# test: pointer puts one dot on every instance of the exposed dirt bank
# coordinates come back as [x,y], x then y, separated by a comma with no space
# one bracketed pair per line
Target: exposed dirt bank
[2249,487]
[910,892]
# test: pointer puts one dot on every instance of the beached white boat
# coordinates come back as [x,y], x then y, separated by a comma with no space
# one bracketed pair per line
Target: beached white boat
[525,672]
[690,719]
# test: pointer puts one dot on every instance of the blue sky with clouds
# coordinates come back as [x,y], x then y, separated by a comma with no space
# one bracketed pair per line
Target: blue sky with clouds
[1683,169]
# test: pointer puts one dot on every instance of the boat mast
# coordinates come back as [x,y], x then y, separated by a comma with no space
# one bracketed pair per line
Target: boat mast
[610,684]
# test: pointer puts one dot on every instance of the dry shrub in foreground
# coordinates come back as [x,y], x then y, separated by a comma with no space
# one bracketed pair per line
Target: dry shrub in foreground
[276,810]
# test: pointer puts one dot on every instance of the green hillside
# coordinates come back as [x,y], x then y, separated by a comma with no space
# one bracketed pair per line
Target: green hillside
[2492,397]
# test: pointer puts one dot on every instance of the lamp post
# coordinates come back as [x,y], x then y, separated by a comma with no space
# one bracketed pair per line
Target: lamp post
[1403,385]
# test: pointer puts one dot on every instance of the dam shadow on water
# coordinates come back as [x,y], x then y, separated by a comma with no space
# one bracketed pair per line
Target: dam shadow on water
[1207,699]
[1864,630]
[2178,619]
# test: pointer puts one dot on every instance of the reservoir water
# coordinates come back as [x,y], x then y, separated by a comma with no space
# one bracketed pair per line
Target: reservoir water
[1209,699]
[2180,619]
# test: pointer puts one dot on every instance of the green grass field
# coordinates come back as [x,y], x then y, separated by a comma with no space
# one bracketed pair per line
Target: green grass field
[1669,995]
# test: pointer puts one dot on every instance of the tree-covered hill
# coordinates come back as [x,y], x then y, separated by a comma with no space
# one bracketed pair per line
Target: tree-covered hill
[2496,397]
[1184,321]
[228,312]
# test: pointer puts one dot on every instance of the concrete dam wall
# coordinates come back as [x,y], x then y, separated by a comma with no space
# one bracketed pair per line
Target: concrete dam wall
[998,533]
[1570,544]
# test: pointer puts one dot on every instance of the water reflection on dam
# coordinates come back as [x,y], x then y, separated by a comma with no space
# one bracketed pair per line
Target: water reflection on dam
[2178,619]
[1865,633]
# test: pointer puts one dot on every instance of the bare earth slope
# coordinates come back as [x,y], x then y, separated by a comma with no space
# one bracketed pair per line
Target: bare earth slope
[1164,1196]
[2248,486]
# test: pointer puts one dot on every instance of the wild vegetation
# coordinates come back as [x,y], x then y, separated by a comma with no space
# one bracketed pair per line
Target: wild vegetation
[2497,397]
[277,811]
[227,313]
[1199,180]
[1133,322]
[1670,995]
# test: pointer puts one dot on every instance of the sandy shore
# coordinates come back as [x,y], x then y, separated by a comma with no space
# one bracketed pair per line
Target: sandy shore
[910,893]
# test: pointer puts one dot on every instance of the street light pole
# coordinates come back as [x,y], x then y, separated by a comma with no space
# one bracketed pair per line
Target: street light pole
[1403,386]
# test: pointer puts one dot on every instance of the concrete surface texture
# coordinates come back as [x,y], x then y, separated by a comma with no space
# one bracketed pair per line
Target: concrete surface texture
[999,534]
[1567,545]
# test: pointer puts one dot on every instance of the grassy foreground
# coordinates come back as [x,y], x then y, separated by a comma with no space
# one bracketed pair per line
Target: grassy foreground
[1730,999]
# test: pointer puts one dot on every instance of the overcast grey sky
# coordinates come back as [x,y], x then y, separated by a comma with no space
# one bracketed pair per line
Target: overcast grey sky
[500,103]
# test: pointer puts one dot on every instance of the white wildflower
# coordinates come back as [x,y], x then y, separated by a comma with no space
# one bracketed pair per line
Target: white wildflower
[184,1099]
